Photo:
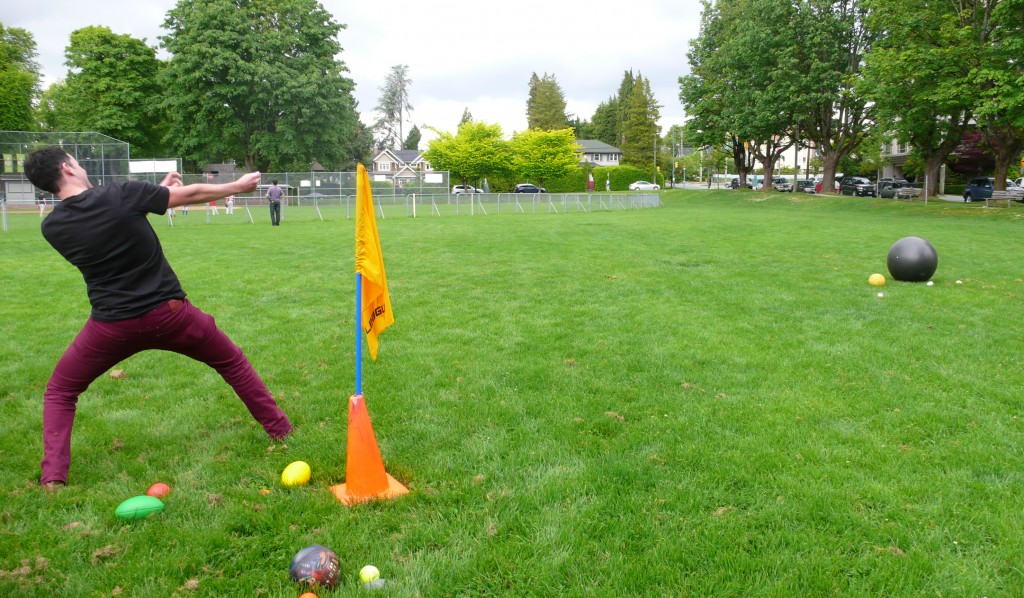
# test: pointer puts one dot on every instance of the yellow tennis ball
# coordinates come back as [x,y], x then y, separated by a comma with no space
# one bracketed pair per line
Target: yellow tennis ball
[876,280]
[368,574]
[296,474]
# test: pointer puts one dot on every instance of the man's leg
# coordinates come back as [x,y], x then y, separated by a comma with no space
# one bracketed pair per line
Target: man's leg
[195,334]
[97,348]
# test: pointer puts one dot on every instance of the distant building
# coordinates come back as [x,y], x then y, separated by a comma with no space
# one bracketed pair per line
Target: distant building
[894,156]
[400,166]
[598,153]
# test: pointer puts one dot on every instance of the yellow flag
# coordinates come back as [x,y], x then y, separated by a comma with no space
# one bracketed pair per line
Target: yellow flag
[376,305]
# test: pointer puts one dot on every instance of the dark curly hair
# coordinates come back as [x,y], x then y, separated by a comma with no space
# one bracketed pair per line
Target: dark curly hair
[43,167]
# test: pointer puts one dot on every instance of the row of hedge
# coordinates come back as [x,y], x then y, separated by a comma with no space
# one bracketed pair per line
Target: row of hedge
[618,177]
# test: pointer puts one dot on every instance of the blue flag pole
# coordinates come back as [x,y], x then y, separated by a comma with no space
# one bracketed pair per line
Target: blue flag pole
[359,333]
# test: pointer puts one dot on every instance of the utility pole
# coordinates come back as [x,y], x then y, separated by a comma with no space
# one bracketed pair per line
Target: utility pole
[655,180]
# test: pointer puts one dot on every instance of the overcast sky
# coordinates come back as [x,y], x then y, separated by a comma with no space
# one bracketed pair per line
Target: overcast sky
[461,54]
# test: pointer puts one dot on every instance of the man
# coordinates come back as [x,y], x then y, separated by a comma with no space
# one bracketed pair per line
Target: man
[274,194]
[137,301]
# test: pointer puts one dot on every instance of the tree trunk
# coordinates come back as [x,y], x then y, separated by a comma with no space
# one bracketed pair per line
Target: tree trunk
[742,160]
[932,163]
[1006,144]
[830,162]
[768,164]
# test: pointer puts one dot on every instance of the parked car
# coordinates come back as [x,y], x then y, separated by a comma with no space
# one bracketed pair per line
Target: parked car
[529,188]
[889,187]
[643,186]
[782,184]
[981,188]
[857,185]
[735,184]
[458,189]
[1019,182]
[805,186]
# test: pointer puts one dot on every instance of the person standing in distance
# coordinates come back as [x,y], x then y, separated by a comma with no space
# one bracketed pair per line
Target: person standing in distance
[274,194]
[137,300]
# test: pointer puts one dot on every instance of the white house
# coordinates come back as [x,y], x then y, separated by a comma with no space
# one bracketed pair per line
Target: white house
[598,153]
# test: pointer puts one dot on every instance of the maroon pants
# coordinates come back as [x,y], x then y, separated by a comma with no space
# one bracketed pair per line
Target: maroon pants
[174,326]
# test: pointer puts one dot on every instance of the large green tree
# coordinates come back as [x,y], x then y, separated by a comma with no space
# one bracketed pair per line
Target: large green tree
[999,107]
[540,155]
[707,94]
[747,77]
[830,42]
[640,131]
[545,108]
[922,74]
[478,150]
[112,87]
[258,81]
[393,106]
[19,78]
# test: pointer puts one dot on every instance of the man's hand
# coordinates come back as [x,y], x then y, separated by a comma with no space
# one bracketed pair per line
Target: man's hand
[173,179]
[249,182]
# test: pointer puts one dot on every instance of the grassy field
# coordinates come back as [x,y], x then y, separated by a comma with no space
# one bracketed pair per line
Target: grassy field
[705,399]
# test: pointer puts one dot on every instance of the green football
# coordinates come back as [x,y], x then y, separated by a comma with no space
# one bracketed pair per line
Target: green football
[139,507]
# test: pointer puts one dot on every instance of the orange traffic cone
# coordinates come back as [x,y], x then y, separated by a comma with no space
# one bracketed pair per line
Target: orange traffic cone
[365,478]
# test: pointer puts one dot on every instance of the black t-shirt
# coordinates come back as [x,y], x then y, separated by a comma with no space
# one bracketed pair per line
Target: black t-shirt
[105,234]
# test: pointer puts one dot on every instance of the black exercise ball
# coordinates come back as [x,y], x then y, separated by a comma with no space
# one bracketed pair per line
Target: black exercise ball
[912,259]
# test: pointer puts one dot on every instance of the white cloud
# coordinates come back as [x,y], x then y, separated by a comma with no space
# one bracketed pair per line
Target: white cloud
[461,54]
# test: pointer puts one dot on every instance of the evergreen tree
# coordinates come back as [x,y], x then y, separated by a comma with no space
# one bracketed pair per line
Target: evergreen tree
[603,124]
[412,142]
[393,106]
[622,107]
[582,129]
[545,109]
[467,116]
[640,130]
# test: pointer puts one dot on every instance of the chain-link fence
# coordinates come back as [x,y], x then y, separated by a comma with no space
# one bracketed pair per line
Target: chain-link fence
[313,195]
[103,158]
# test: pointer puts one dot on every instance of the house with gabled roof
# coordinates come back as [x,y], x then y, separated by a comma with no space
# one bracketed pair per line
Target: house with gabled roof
[400,165]
[598,153]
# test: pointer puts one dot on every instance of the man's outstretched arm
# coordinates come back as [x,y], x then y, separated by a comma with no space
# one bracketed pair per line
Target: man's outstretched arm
[202,192]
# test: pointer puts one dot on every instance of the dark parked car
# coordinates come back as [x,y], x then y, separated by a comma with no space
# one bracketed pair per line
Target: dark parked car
[981,188]
[735,184]
[857,185]
[889,187]
[805,186]
[529,188]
